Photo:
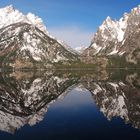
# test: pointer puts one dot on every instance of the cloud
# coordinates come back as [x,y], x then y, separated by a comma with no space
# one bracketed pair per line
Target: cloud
[73,36]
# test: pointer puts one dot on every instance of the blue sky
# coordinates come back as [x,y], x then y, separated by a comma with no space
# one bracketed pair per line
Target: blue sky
[73,21]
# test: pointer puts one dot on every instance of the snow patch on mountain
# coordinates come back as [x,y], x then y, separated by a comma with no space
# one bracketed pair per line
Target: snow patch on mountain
[115,51]
[80,49]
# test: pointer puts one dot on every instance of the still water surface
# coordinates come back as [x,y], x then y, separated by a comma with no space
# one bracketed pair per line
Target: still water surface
[70,105]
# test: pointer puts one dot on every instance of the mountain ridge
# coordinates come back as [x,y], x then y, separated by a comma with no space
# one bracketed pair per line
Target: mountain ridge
[114,38]
[28,43]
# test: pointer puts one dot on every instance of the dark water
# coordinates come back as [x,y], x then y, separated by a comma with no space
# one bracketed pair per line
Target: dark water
[70,105]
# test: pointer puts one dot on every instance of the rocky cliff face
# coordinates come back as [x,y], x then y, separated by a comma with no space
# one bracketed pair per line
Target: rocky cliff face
[118,38]
[26,43]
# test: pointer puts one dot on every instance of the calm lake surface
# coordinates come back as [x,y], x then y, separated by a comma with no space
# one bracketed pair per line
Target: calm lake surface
[70,105]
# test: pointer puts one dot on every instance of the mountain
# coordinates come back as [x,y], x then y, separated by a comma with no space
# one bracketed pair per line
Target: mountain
[118,39]
[26,43]
[80,49]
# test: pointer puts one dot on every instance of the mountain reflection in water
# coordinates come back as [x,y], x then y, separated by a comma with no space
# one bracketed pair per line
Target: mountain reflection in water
[25,97]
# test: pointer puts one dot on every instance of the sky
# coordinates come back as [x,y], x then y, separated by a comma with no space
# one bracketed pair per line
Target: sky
[73,21]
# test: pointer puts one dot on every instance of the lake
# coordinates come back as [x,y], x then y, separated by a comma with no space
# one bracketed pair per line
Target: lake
[70,105]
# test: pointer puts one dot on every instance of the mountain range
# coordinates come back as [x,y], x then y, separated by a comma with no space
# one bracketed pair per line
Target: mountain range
[26,43]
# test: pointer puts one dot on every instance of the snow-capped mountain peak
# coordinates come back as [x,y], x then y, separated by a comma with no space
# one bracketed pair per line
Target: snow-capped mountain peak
[136,10]
[8,9]
[9,15]
[35,20]
[112,34]
[29,39]
[80,49]
[108,20]
[114,28]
